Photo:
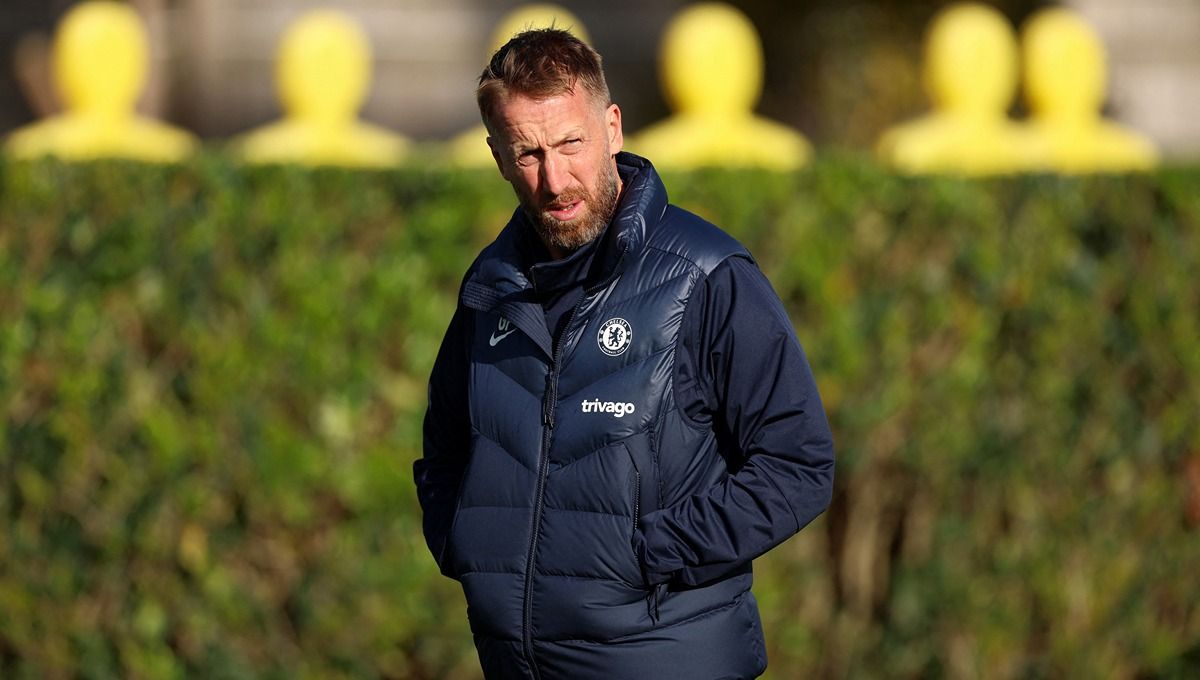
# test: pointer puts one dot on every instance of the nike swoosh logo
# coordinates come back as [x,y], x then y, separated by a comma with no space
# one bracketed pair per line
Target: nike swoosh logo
[495,339]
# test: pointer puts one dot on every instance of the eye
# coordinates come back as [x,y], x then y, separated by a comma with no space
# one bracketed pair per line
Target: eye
[526,158]
[572,145]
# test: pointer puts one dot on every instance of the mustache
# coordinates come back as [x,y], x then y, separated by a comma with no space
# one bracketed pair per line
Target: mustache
[564,199]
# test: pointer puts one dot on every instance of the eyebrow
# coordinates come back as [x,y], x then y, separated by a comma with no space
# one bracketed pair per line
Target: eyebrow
[573,133]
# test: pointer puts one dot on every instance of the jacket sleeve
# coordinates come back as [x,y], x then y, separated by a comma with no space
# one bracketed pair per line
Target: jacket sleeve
[740,369]
[446,437]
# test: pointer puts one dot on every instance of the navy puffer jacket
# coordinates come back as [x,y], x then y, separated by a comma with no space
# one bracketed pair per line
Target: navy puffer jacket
[597,531]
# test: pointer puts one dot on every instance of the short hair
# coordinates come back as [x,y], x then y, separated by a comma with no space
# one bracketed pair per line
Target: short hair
[540,63]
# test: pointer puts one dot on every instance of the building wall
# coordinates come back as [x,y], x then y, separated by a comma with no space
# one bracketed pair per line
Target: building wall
[1154,62]
[214,59]
[428,54]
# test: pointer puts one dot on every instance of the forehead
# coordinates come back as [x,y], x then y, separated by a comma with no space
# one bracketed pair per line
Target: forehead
[518,116]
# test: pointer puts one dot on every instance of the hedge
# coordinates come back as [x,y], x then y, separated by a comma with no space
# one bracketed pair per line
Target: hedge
[212,381]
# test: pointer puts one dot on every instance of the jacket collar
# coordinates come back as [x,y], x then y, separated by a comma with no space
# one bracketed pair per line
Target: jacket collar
[643,201]
[502,266]
[498,281]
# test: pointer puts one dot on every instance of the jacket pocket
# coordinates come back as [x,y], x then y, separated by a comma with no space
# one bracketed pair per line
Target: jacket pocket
[644,484]
[641,489]
[645,501]
[633,496]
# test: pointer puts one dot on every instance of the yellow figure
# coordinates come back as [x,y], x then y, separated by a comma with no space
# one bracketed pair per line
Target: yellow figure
[101,58]
[970,73]
[1065,83]
[711,68]
[469,149]
[323,71]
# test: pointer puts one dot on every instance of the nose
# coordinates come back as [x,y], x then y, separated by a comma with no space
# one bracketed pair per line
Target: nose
[555,177]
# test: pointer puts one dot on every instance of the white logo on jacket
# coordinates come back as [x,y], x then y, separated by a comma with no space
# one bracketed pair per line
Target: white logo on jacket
[504,329]
[614,336]
[617,408]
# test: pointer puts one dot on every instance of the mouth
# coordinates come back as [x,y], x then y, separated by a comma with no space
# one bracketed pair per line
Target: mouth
[564,211]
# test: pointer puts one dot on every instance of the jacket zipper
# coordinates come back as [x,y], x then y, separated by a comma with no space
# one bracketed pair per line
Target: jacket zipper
[538,503]
[652,597]
[549,402]
[637,496]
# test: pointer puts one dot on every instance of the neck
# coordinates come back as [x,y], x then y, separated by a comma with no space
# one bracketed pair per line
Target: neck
[557,253]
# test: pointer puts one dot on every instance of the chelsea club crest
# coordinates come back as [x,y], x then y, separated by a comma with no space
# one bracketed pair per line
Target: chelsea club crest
[614,336]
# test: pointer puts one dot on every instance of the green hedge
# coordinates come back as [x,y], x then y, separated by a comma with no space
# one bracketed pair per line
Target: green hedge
[212,381]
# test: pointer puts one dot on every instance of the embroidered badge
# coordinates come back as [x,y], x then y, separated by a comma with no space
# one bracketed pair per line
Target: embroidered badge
[614,336]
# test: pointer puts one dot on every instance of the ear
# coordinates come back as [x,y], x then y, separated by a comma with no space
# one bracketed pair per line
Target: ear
[496,156]
[612,123]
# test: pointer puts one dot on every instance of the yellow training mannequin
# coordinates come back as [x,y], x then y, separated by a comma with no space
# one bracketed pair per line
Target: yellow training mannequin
[970,72]
[323,73]
[1065,82]
[469,149]
[101,58]
[711,67]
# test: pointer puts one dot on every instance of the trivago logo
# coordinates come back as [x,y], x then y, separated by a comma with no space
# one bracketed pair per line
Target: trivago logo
[616,408]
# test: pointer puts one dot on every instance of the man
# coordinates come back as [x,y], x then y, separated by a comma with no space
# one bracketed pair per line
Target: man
[620,417]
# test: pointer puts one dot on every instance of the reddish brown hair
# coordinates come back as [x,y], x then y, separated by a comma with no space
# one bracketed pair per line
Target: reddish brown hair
[540,63]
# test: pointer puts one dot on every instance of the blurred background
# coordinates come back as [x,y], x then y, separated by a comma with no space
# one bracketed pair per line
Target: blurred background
[841,72]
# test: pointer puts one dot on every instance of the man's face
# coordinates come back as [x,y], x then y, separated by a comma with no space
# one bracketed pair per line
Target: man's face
[558,155]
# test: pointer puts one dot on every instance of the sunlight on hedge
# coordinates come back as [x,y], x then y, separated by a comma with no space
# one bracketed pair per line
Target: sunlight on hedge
[213,378]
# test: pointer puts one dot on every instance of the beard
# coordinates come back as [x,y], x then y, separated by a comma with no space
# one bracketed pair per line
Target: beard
[570,235]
